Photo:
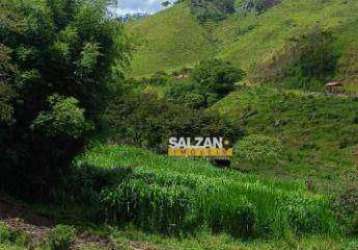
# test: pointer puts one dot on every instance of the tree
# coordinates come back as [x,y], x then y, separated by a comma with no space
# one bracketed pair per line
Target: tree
[215,10]
[58,63]
[257,6]
[166,4]
[216,78]
[149,121]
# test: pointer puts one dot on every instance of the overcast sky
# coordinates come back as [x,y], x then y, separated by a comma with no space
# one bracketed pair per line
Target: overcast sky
[135,6]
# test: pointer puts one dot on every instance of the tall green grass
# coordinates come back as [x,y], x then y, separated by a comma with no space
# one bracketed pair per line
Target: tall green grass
[174,196]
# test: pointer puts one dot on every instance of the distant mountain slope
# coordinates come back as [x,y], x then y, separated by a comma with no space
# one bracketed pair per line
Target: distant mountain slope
[173,38]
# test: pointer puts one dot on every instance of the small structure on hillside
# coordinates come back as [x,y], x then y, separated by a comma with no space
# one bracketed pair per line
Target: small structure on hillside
[334,87]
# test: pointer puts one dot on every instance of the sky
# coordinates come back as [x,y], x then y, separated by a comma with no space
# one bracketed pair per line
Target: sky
[135,6]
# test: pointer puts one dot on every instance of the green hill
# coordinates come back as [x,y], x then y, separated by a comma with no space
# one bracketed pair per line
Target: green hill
[174,38]
[316,132]
[171,39]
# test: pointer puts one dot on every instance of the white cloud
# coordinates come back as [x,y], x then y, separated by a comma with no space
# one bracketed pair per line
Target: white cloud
[135,6]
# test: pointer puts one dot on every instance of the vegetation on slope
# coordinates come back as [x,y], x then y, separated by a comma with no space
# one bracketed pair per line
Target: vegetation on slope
[246,40]
[316,133]
[56,61]
[171,39]
[181,196]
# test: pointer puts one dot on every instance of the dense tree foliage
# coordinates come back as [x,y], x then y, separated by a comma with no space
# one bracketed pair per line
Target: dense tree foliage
[216,78]
[255,6]
[215,10]
[208,82]
[307,61]
[314,58]
[57,61]
[149,121]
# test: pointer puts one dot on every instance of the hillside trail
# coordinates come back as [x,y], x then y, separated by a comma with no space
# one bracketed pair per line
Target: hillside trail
[18,217]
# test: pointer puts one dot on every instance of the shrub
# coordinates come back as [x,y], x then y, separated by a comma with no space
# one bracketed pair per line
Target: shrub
[185,94]
[84,184]
[346,209]
[214,10]
[10,236]
[61,237]
[6,108]
[193,100]
[258,149]
[159,78]
[256,6]
[5,234]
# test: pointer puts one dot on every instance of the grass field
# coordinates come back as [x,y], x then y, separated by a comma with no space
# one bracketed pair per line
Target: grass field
[169,195]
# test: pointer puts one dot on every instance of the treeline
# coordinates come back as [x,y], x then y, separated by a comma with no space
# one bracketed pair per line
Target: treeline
[307,61]
[148,118]
[217,10]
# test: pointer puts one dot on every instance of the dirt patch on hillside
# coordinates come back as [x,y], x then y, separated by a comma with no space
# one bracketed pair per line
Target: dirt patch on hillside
[20,218]
[11,210]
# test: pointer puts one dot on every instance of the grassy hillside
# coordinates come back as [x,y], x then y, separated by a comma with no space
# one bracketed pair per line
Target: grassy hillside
[318,133]
[173,38]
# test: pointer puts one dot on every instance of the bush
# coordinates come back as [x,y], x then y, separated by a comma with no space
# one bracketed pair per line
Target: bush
[5,234]
[61,237]
[256,6]
[213,10]
[258,149]
[9,236]
[346,209]
[159,78]
[185,94]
